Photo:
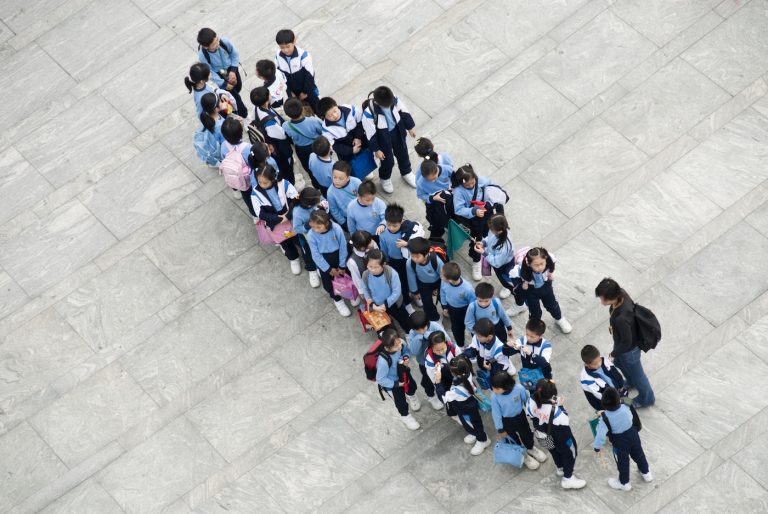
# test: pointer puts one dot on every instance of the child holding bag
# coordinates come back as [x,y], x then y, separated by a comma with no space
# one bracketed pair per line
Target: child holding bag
[329,251]
[381,289]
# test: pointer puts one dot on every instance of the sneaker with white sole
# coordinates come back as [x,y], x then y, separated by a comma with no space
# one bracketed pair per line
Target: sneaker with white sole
[295,266]
[537,454]
[314,279]
[477,271]
[435,402]
[410,422]
[354,302]
[572,483]
[480,447]
[564,325]
[530,463]
[516,309]
[386,186]
[647,476]
[414,402]
[559,472]
[470,439]
[409,309]
[615,484]
[342,308]
[504,293]
[410,179]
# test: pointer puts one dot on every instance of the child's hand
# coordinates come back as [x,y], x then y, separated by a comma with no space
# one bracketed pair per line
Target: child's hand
[510,333]
[486,365]
[480,213]
[357,142]
[525,285]
[526,350]
[302,96]
[445,313]
[340,272]
[479,247]
[380,155]
[229,87]
[438,374]
[416,296]
[232,79]
[379,230]
[412,133]
[333,272]
[561,400]
[283,218]
[400,243]
[438,198]
[380,308]
[501,436]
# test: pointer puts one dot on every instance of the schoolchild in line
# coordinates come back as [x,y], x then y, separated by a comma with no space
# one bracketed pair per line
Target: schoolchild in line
[499,251]
[342,192]
[360,243]
[310,200]
[381,289]
[342,126]
[456,295]
[536,273]
[598,374]
[426,150]
[302,130]
[197,84]
[270,124]
[535,354]
[490,307]
[418,344]
[394,376]
[433,187]
[238,152]
[329,251]
[393,241]
[488,351]
[273,81]
[423,268]
[366,212]
[296,66]
[321,165]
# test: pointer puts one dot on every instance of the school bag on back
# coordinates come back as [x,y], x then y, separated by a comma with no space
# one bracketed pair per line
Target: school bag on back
[206,147]
[648,328]
[437,250]
[520,254]
[235,170]
[370,359]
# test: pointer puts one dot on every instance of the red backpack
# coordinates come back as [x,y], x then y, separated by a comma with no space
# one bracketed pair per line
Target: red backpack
[370,359]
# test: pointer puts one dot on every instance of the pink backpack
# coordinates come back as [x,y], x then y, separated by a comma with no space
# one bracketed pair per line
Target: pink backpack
[520,254]
[236,171]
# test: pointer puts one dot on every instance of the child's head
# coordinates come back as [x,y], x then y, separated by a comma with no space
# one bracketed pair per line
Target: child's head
[366,193]
[419,249]
[502,383]
[361,240]
[265,69]
[484,294]
[484,330]
[430,170]
[340,174]
[198,72]
[451,272]
[209,105]
[393,217]
[460,368]
[438,343]
[544,392]
[321,146]
[499,226]
[286,40]
[425,149]
[293,108]
[537,258]
[328,109]
[383,96]
[258,155]
[419,321]
[608,290]
[391,341]
[265,176]
[309,197]
[320,221]
[534,330]
[232,130]
[591,357]
[374,261]
[260,96]
[611,399]
[208,39]
[465,176]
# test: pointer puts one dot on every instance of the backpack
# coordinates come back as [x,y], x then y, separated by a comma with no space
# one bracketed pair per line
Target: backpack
[648,328]
[257,130]
[387,275]
[495,194]
[370,359]
[235,170]
[206,147]
[436,251]
[520,254]
[636,423]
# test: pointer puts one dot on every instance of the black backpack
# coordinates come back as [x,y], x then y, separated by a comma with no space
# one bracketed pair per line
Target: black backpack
[648,328]
[636,423]
[257,130]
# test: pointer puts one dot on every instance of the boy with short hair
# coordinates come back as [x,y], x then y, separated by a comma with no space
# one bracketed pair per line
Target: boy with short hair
[598,374]
[223,59]
[321,165]
[418,342]
[393,242]
[535,354]
[488,350]
[295,64]
[367,211]
[342,192]
[342,126]
[267,72]
[302,130]
[456,294]
[433,187]
[487,306]
[423,270]
[270,125]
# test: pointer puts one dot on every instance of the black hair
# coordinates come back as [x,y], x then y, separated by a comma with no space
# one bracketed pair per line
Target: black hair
[268,172]
[293,108]
[343,166]
[418,245]
[589,353]
[425,149]
[498,223]
[285,36]
[536,326]
[429,168]
[260,95]
[324,105]
[367,187]
[309,197]
[394,213]
[544,391]
[484,327]
[503,381]
[265,69]
[208,103]
[258,155]
[321,146]
[383,96]
[389,337]
[525,268]
[463,175]
[360,239]
[611,399]
[608,289]
[232,130]
[461,369]
[322,217]
[375,255]
[484,290]
[205,36]
[451,271]
[434,338]
[419,319]
[197,72]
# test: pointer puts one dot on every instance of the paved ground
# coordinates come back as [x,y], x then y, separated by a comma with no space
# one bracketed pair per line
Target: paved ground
[155,357]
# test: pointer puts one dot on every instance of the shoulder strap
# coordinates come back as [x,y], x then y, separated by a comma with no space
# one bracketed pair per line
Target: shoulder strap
[296,129]
[205,54]
[388,275]
[605,420]
[365,276]
[433,260]
[474,192]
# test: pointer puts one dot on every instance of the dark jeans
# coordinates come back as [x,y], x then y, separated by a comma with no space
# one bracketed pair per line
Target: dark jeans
[398,395]
[456,315]
[303,153]
[518,429]
[502,273]
[425,290]
[283,156]
[626,445]
[630,364]
[247,199]
[399,151]
[501,331]
[289,249]
[426,383]
[438,215]
[544,294]
[332,259]
[306,253]
[402,273]
[564,454]
[469,415]
[240,109]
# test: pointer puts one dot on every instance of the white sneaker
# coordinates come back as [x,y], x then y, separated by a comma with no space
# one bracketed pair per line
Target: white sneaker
[435,402]
[565,326]
[409,309]
[531,463]
[342,308]
[559,472]
[410,422]
[504,293]
[477,271]
[647,476]
[236,194]
[386,186]
[615,484]
[470,439]
[539,456]
[414,402]
[314,279]
[355,301]
[516,309]
[479,447]
[295,267]
[572,483]
[410,179]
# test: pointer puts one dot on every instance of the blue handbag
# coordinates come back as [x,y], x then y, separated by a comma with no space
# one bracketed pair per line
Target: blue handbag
[483,379]
[363,163]
[507,451]
[483,403]
[527,377]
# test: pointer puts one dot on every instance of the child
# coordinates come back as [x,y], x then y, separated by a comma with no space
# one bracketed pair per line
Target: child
[499,251]
[321,165]
[418,343]
[508,403]
[343,192]
[367,212]
[381,289]
[394,376]
[535,353]
[310,200]
[270,124]
[302,130]
[599,374]
[424,268]
[361,243]
[536,274]
[197,83]
[329,251]
[550,417]
[295,64]
[475,206]
[210,115]
[433,187]
[272,201]
[426,150]
[439,353]
[617,421]
[460,397]
[266,71]
[394,243]
[486,306]
[260,157]
[489,352]
[343,128]
[232,132]
[386,120]
[456,295]
[223,58]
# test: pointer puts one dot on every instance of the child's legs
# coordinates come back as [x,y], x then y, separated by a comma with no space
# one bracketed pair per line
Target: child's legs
[456,315]
[289,249]
[637,453]
[400,149]
[426,383]
[437,216]
[398,395]
[518,429]
[402,273]
[502,273]
[327,280]
[247,199]
[501,331]
[547,294]
[621,456]
[306,253]
[471,421]
[284,158]
[241,109]
[425,290]
[518,291]
[398,313]
[532,301]
[567,454]
[478,230]
[388,162]
[303,152]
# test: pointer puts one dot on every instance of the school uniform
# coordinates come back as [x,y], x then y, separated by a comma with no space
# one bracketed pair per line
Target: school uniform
[390,372]
[385,129]
[397,257]
[595,381]
[245,149]
[465,211]
[625,440]
[197,96]
[437,213]
[539,358]
[418,343]
[342,132]
[270,204]
[329,250]
[508,412]
[456,298]
[491,352]
[224,60]
[298,71]
[444,161]
[384,289]
[301,227]
[320,173]
[424,279]
[356,265]
[462,401]
[494,312]
[501,259]
[272,128]
[539,291]
[277,90]
[365,217]
[340,198]
[565,451]
[303,132]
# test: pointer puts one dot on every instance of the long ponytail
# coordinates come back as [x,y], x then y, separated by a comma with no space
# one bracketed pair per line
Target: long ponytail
[544,391]
[461,369]
[208,103]
[498,223]
[197,72]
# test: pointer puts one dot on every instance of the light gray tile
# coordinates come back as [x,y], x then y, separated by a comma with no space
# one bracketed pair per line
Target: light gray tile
[170,362]
[244,496]
[334,66]
[669,104]
[661,20]
[450,142]
[315,456]
[539,498]
[759,219]
[698,281]
[752,460]
[756,338]
[91,415]
[164,11]
[54,247]
[27,464]
[13,295]
[583,167]
[531,219]
[162,468]
[139,190]
[21,186]
[599,54]
[517,115]
[736,52]
[87,498]
[245,411]
[201,243]
[108,309]
[179,142]
[401,493]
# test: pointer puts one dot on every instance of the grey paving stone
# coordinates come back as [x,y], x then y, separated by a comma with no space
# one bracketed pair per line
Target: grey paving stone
[401,493]
[750,459]
[87,498]
[244,495]
[20,184]
[661,21]
[13,295]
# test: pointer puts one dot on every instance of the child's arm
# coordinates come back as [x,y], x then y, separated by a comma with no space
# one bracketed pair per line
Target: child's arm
[502,315]
[309,87]
[351,221]
[382,375]
[469,318]
[496,414]
[369,127]
[405,116]
[461,207]
[411,275]
[343,255]
[602,432]
[317,256]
